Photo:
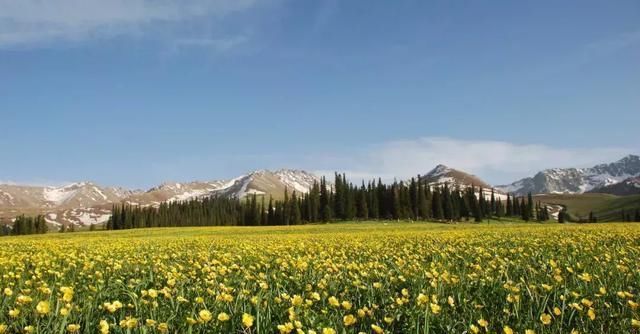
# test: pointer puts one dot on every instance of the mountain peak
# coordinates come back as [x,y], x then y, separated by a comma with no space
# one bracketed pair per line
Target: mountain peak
[631,158]
[439,170]
[445,174]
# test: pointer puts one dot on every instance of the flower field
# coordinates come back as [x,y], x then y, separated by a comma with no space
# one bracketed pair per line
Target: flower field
[342,278]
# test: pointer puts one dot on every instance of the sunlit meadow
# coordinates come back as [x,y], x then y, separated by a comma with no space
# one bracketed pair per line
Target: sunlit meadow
[342,278]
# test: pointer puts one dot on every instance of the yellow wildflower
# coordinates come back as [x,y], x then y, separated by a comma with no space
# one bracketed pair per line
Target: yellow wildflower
[205,316]
[545,319]
[247,320]
[223,317]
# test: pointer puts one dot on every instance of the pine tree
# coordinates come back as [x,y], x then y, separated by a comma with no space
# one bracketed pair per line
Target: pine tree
[493,203]
[421,201]
[374,209]
[447,204]
[437,206]
[294,211]
[499,209]
[363,207]
[524,210]
[562,216]
[414,197]
[482,205]
[263,213]
[271,218]
[325,203]
[463,206]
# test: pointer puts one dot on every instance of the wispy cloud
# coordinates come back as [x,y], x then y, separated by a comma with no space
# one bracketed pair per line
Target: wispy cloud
[35,22]
[496,161]
[214,44]
[610,46]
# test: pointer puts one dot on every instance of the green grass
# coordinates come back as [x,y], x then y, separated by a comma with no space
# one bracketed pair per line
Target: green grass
[316,228]
[606,207]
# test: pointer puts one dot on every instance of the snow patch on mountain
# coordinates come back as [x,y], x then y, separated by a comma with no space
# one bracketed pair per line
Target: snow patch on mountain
[576,180]
[99,192]
[440,170]
[298,180]
[61,194]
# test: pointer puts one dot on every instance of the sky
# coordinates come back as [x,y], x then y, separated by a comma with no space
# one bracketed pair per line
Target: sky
[137,92]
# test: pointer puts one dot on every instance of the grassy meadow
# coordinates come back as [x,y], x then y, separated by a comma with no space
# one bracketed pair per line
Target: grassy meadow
[606,207]
[391,277]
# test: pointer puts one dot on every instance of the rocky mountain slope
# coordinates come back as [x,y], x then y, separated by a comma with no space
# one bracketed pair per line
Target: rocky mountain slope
[87,203]
[76,201]
[576,180]
[630,186]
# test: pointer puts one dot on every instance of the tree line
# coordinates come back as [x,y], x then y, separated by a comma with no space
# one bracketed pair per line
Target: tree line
[412,200]
[23,225]
[627,216]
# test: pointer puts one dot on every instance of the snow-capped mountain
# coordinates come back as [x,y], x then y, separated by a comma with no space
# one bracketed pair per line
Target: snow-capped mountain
[86,203]
[576,180]
[83,194]
[76,202]
[273,183]
[261,182]
[442,174]
[630,186]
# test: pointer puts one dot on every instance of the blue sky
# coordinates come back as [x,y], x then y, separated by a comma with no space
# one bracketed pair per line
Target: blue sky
[138,92]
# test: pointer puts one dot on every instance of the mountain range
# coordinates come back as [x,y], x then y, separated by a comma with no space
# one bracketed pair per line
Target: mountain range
[576,180]
[630,186]
[86,203]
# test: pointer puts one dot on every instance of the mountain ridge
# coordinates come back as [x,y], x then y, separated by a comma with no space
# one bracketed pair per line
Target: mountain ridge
[575,180]
[86,203]
[630,186]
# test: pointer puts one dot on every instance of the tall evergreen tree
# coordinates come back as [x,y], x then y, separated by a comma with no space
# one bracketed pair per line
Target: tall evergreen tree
[524,210]
[437,205]
[482,205]
[363,207]
[562,216]
[493,203]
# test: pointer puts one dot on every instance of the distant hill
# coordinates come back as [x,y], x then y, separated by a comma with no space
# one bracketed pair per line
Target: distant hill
[576,180]
[606,207]
[442,174]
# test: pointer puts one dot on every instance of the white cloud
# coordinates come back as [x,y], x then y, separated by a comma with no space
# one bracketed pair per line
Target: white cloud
[495,161]
[29,22]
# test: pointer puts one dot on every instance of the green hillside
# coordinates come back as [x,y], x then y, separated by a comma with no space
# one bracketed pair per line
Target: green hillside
[605,207]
